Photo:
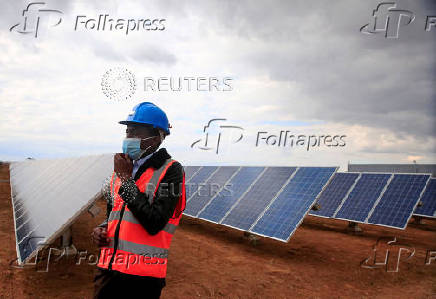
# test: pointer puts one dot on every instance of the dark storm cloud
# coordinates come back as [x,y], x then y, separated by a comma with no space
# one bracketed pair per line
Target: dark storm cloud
[348,76]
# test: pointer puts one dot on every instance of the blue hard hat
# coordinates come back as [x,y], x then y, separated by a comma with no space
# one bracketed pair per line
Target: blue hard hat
[149,114]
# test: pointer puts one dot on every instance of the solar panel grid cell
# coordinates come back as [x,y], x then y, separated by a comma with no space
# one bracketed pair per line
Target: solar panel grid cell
[362,198]
[190,172]
[226,198]
[201,176]
[287,210]
[399,200]
[254,202]
[47,195]
[208,189]
[428,198]
[334,194]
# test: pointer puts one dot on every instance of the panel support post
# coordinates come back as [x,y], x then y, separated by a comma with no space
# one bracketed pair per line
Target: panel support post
[94,210]
[354,227]
[252,238]
[67,245]
[418,220]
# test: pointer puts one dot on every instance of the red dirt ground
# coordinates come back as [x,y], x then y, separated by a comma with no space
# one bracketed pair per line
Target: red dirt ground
[321,260]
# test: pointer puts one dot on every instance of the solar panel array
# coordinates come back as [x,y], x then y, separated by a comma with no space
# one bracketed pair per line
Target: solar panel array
[47,195]
[218,207]
[428,199]
[374,198]
[335,194]
[268,201]
[363,197]
[198,199]
[287,210]
[257,198]
[399,200]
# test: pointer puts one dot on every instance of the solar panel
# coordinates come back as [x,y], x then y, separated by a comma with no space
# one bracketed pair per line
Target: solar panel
[199,177]
[399,200]
[226,198]
[206,191]
[47,195]
[363,196]
[292,202]
[428,198]
[190,172]
[247,209]
[335,193]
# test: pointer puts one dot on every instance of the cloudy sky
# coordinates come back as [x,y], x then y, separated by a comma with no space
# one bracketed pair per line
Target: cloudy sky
[297,66]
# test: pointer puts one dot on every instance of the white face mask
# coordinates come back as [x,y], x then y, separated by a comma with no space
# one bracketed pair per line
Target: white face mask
[132,147]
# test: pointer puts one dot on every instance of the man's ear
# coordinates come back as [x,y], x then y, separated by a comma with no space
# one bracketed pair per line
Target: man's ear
[157,141]
[162,135]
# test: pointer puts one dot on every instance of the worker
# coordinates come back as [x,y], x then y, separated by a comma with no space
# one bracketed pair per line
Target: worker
[145,205]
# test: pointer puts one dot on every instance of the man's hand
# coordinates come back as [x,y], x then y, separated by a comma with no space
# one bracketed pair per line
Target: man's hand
[123,166]
[99,236]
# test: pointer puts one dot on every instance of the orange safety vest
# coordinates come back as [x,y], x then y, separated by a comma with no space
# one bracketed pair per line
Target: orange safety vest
[136,251]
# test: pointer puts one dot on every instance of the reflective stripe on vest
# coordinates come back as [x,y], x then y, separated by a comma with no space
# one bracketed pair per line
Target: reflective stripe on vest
[128,216]
[149,252]
[140,249]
